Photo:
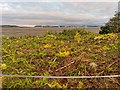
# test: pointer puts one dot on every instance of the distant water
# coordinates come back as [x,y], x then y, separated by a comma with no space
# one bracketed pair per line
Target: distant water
[93,29]
[40,31]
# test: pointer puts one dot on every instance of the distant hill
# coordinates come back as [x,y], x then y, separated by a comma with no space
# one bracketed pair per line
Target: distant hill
[92,26]
[8,26]
[46,26]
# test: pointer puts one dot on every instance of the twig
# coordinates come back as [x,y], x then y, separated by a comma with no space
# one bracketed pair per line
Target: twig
[54,59]
[108,66]
[112,64]
[65,66]
[115,81]
[87,72]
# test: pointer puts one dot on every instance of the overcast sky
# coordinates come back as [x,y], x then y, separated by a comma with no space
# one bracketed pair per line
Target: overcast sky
[57,13]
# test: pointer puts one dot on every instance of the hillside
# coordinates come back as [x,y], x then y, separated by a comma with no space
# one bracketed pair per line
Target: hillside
[8,26]
[69,53]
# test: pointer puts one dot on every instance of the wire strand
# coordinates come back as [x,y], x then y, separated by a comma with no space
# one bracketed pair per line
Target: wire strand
[25,76]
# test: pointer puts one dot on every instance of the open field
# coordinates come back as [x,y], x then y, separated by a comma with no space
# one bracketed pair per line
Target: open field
[69,53]
[38,31]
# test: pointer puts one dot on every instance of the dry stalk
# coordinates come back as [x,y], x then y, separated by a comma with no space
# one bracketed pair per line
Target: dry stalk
[65,66]
[109,66]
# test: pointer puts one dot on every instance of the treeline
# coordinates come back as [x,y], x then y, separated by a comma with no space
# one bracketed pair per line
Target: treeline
[54,26]
[112,26]
[7,26]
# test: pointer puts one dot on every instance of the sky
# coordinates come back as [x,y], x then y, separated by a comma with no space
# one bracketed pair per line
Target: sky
[57,13]
[59,0]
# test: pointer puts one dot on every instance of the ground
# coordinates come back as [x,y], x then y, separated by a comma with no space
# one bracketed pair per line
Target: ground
[67,53]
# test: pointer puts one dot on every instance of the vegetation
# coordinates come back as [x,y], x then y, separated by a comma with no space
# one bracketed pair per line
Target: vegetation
[8,26]
[112,26]
[69,53]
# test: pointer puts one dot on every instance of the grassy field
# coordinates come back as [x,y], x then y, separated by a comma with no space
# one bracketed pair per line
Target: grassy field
[67,53]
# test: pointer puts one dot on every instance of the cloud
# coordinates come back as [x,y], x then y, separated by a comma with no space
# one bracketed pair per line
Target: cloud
[59,1]
[57,12]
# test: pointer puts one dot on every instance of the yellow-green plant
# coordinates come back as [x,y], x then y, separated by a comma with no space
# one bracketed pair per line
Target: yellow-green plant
[77,37]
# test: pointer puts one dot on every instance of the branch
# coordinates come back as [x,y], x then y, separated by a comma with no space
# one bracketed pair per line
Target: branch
[65,66]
